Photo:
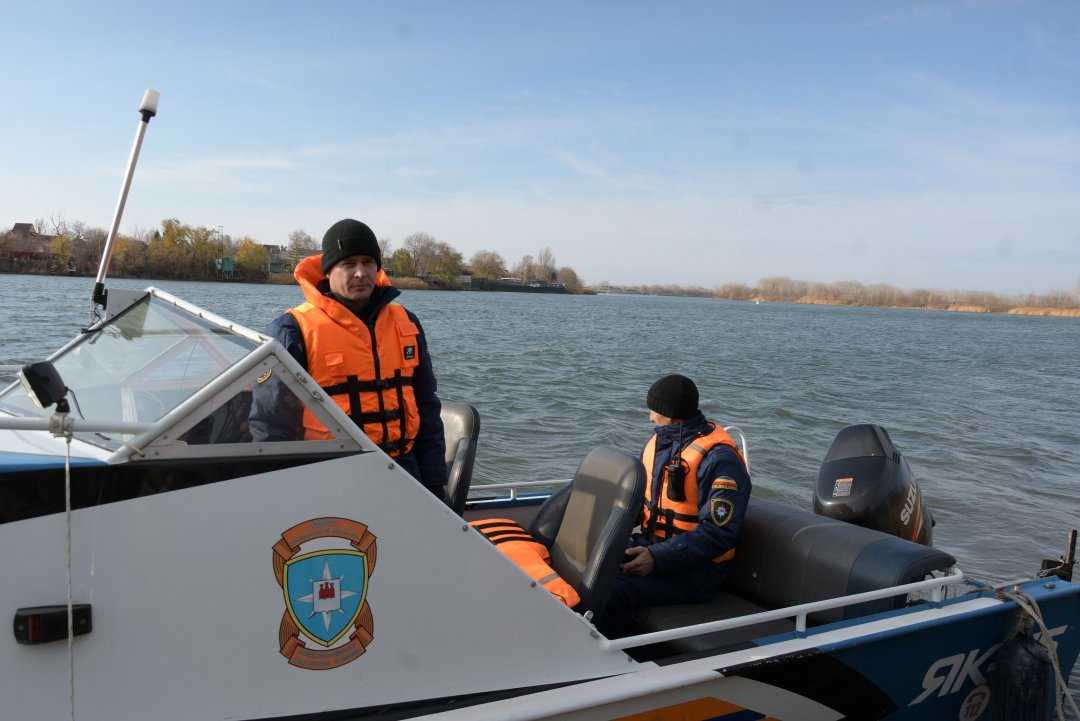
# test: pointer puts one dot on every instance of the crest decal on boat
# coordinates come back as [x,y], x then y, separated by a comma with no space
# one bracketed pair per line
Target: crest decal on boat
[323,566]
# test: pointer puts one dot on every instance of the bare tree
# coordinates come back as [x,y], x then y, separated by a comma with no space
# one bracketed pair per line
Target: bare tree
[55,225]
[735,291]
[423,250]
[544,268]
[386,248]
[525,270]
[301,245]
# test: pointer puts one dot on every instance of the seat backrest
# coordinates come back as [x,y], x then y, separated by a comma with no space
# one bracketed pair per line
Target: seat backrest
[461,427]
[788,556]
[545,524]
[601,509]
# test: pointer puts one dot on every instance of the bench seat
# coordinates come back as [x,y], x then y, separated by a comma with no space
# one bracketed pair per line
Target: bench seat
[788,556]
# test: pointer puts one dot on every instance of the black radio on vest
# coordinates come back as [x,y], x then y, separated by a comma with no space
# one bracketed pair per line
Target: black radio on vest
[676,473]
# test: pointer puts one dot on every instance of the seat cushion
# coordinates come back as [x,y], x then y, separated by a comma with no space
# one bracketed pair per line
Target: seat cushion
[721,606]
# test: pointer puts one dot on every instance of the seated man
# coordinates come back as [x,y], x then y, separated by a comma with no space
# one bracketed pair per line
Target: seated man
[696,496]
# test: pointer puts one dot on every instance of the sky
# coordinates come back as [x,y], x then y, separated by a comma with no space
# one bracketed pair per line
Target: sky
[917,144]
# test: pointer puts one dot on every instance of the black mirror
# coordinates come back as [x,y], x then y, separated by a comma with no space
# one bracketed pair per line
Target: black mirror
[44,385]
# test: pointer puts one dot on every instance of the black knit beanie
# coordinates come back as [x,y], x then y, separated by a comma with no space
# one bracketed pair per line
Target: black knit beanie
[348,237]
[673,396]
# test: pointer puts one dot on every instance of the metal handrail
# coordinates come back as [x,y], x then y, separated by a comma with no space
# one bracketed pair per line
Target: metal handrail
[60,423]
[736,431]
[798,612]
[513,487]
[519,484]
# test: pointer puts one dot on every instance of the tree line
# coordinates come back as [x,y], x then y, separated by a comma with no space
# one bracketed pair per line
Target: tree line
[181,251]
[784,289]
[185,252]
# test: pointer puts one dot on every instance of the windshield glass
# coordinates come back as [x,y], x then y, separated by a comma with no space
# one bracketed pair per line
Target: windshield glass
[140,365]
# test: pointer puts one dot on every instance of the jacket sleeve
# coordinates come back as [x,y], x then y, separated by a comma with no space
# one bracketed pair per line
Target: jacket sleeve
[275,415]
[723,493]
[430,445]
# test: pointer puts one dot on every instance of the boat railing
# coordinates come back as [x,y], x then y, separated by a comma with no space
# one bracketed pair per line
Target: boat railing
[740,438]
[513,489]
[936,587]
[62,424]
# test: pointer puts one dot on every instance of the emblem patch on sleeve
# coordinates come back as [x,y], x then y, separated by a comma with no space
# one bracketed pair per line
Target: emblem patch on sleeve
[323,566]
[721,511]
[725,484]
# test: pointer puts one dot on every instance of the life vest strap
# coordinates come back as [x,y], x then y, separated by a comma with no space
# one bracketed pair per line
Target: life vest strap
[397,447]
[375,417]
[399,383]
[352,384]
[670,513]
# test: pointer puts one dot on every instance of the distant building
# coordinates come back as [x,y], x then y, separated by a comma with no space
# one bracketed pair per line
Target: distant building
[277,259]
[25,243]
[225,267]
[23,249]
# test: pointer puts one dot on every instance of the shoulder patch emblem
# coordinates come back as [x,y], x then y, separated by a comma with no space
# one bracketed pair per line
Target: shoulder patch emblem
[725,483]
[323,566]
[721,510]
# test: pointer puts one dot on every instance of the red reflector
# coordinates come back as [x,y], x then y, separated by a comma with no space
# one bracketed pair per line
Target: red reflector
[33,628]
[45,624]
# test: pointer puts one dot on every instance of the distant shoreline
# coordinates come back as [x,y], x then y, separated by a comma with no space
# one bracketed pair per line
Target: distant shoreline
[957,308]
[415,284]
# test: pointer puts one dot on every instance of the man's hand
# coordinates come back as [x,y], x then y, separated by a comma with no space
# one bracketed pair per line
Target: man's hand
[641,562]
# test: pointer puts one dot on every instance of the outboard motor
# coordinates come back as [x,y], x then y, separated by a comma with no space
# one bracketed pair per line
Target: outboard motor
[865,480]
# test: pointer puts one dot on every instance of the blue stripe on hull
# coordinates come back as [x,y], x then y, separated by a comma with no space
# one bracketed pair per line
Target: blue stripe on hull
[933,671]
[11,462]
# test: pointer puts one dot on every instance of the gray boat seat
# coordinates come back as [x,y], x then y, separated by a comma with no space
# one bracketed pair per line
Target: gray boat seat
[461,427]
[787,556]
[545,524]
[596,513]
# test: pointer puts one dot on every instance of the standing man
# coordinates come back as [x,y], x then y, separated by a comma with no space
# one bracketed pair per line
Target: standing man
[695,500]
[366,351]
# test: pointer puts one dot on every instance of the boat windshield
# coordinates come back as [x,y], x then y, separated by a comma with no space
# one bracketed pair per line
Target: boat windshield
[139,365]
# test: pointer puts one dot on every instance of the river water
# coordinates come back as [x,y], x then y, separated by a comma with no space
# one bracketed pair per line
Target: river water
[986,408]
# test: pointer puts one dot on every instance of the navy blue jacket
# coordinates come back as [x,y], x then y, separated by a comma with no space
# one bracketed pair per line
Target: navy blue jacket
[270,419]
[694,550]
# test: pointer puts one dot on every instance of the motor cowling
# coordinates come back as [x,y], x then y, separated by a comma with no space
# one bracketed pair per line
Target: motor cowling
[865,480]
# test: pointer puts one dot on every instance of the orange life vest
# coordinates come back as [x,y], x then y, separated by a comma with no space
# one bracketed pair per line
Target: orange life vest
[665,517]
[529,554]
[367,372]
